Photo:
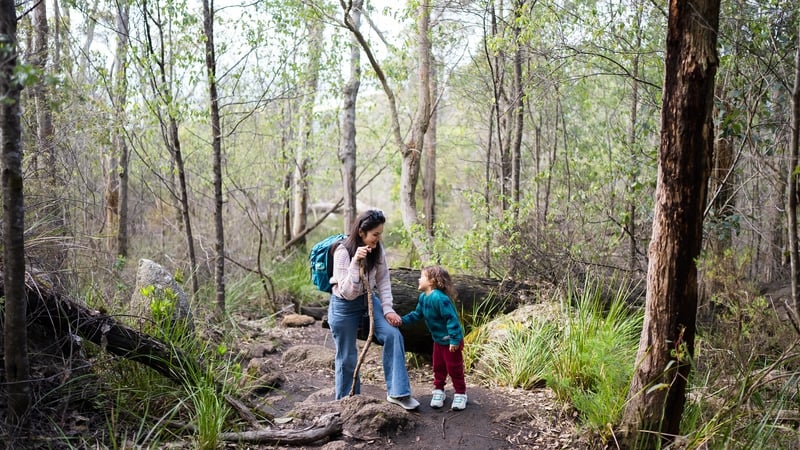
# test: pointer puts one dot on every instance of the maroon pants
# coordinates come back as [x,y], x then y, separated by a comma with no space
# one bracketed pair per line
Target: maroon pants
[448,363]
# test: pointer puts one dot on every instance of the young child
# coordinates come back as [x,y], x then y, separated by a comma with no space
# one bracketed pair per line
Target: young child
[435,305]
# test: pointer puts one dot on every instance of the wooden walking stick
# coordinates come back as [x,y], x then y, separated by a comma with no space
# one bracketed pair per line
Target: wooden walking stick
[364,282]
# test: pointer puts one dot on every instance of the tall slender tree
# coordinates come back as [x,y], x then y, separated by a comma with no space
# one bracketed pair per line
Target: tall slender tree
[429,158]
[117,165]
[158,32]
[216,149]
[658,388]
[305,120]
[120,143]
[794,171]
[410,152]
[517,108]
[15,331]
[347,117]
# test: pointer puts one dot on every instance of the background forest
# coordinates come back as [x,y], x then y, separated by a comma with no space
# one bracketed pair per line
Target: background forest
[508,139]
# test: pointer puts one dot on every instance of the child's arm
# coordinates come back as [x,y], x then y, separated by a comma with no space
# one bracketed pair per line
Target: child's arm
[414,316]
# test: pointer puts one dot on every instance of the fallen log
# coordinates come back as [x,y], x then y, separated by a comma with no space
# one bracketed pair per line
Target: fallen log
[478,298]
[62,316]
[325,426]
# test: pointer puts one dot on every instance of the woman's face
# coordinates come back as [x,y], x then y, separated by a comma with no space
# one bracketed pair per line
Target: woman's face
[372,237]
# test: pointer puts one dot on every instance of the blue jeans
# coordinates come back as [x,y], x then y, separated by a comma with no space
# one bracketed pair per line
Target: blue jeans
[343,318]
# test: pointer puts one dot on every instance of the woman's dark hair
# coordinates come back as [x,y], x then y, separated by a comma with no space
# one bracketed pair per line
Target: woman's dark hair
[365,222]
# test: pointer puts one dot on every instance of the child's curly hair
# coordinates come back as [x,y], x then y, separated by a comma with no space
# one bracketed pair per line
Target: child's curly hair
[441,280]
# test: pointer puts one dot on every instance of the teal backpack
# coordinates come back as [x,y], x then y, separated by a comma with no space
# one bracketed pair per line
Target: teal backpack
[321,259]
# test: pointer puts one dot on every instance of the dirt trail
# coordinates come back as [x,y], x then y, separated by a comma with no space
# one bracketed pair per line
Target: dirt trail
[495,418]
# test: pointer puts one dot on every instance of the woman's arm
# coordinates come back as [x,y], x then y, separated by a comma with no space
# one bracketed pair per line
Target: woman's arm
[346,275]
[384,284]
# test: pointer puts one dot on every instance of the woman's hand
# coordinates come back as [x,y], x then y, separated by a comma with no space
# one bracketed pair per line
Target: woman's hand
[362,252]
[394,319]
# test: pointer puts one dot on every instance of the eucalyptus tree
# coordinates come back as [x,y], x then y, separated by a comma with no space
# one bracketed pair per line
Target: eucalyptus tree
[747,205]
[410,152]
[15,330]
[412,158]
[156,60]
[429,150]
[347,120]
[517,106]
[39,59]
[308,97]
[216,145]
[794,169]
[117,185]
[657,392]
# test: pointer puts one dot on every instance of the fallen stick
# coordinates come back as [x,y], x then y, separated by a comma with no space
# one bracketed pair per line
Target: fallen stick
[325,426]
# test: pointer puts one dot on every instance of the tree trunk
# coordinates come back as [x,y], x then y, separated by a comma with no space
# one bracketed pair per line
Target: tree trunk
[518,111]
[216,145]
[347,120]
[15,334]
[87,44]
[410,153]
[791,208]
[52,183]
[429,162]
[306,117]
[657,392]
[633,176]
[119,189]
[183,191]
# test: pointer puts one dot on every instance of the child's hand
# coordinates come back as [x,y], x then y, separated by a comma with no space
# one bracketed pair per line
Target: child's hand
[453,348]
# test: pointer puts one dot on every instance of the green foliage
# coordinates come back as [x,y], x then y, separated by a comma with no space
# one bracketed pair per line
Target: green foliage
[145,401]
[748,411]
[164,324]
[206,388]
[585,353]
[520,356]
[292,277]
[594,360]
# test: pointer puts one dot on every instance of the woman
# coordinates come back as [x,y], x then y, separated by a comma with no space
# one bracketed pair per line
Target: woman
[349,302]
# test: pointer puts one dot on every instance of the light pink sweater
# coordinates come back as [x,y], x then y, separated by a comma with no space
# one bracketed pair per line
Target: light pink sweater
[346,280]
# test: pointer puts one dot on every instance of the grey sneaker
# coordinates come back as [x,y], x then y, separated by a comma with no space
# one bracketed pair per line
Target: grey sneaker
[437,399]
[408,402]
[459,402]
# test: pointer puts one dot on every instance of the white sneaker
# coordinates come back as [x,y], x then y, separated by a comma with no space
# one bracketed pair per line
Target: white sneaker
[437,399]
[459,402]
[408,402]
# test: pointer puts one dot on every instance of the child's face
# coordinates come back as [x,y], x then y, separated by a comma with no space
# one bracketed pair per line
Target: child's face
[425,284]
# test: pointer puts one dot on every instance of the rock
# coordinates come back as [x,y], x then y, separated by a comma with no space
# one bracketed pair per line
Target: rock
[150,273]
[261,349]
[267,376]
[309,356]
[296,320]
[363,416]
